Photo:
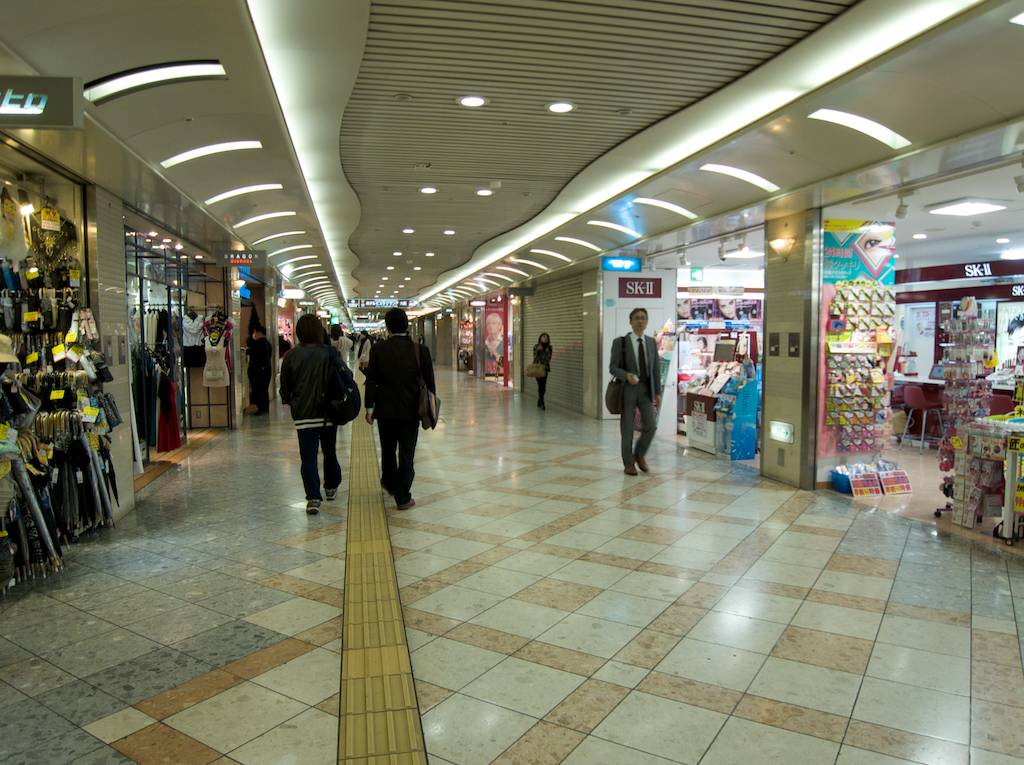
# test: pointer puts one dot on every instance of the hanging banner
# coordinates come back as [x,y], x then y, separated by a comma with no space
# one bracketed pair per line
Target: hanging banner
[859,249]
[495,337]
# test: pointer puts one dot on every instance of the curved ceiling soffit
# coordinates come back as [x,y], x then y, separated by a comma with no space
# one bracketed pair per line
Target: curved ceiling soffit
[863,33]
[312,78]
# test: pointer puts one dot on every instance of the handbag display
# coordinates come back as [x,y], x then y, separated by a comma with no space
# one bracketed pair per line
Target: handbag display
[536,370]
[614,393]
[429,404]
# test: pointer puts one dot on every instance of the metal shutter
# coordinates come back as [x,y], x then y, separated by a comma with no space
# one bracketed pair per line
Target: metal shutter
[557,308]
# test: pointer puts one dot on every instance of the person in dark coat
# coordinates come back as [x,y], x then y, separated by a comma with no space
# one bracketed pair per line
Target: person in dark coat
[261,355]
[542,355]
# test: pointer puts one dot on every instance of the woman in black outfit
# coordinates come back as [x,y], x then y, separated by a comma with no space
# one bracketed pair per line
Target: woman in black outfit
[542,355]
[260,353]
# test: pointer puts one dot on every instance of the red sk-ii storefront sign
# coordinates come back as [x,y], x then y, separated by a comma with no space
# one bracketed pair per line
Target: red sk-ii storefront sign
[639,287]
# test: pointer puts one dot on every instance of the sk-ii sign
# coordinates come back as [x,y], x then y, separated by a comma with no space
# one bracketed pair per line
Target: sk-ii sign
[40,102]
[977,269]
[640,287]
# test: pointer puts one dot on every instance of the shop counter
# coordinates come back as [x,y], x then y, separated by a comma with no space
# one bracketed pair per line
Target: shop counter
[925,381]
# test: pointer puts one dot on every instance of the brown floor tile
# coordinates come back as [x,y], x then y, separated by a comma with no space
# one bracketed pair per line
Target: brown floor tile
[998,683]
[397,553]
[654,534]
[647,649]
[332,596]
[995,648]
[824,649]
[330,705]
[161,745]
[480,536]
[997,728]
[678,619]
[322,634]
[557,657]
[748,522]
[860,564]
[588,705]
[266,659]
[554,593]
[540,534]
[419,590]
[611,560]
[665,569]
[732,567]
[292,584]
[558,551]
[691,692]
[774,588]
[188,694]
[702,595]
[429,695]
[458,572]
[954,618]
[492,556]
[427,622]
[790,717]
[847,601]
[485,637]
[543,744]
[712,497]
[904,745]
[820,531]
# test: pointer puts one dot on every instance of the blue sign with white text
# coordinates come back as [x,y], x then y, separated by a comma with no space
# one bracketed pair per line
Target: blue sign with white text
[618,263]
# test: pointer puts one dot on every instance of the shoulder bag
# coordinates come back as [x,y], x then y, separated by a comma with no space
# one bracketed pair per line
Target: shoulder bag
[340,397]
[614,393]
[429,404]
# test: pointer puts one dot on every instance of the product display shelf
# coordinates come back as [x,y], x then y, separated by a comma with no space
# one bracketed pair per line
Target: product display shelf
[987,476]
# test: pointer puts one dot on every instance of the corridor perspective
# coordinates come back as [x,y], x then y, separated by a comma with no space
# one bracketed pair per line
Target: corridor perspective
[554,611]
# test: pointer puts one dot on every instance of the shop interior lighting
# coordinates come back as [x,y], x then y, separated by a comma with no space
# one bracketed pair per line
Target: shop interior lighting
[292,248]
[561,107]
[449,232]
[666,206]
[1002,240]
[580,242]
[152,234]
[615,227]
[511,270]
[284,263]
[965,207]
[428,189]
[206,151]
[870,128]
[408,231]
[742,175]
[741,253]
[472,102]
[179,246]
[552,254]
[25,204]
[524,262]
[243,190]
[130,81]
[1012,255]
[278,236]
[484,192]
[265,216]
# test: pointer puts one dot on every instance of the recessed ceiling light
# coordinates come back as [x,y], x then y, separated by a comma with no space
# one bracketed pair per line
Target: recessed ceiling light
[391,268]
[417,268]
[407,279]
[965,207]
[472,101]
[206,151]
[615,226]
[1019,19]
[428,190]
[384,278]
[580,242]
[870,128]
[484,192]
[428,254]
[740,174]
[408,231]
[1002,240]
[165,240]
[449,232]
[666,206]
[397,254]
[199,257]
[243,190]
[1012,255]
[179,246]
[264,216]
[290,249]
[132,80]
[278,236]
[552,254]
[561,107]
[920,236]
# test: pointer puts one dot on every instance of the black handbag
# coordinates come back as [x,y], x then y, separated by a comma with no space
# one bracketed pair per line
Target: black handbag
[341,399]
[615,392]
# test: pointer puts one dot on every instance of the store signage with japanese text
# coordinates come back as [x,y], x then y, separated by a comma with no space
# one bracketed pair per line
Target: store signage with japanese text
[640,287]
[381,303]
[243,257]
[40,102]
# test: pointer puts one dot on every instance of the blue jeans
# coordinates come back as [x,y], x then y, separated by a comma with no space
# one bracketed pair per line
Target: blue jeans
[312,440]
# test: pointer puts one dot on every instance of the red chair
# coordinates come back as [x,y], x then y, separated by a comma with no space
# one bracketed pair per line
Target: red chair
[915,399]
[1000,404]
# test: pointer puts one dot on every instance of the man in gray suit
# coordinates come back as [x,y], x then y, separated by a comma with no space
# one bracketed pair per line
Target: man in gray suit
[634,360]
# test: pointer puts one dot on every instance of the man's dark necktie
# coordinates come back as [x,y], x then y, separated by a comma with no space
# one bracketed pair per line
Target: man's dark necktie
[642,359]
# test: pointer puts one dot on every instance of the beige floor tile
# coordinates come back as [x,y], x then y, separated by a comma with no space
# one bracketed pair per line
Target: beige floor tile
[653,585]
[592,574]
[471,732]
[985,757]
[849,755]
[838,620]
[854,584]
[996,728]
[661,727]
[707,543]
[236,716]
[422,564]
[623,608]
[120,724]
[529,562]
[543,744]
[518,617]
[758,605]
[310,738]
[798,556]
[451,664]
[783,573]
[913,709]
[294,616]
[458,602]
[713,664]
[327,571]
[687,557]
[620,673]
[806,685]
[742,742]
[554,593]
[808,541]
[629,548]
[160,744]
[458,549]
[937,672]
[310,678]
[523,686]
[926,636]
[737,631]
[596,751]
[598,637]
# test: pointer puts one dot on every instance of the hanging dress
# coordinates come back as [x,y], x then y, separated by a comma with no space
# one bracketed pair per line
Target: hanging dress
[169,437]
[215,373]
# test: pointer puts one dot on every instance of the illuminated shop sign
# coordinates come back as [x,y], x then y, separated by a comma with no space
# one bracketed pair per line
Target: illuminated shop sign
[382,303]
[40,102]
[243,257]
[618,263]
[649,288]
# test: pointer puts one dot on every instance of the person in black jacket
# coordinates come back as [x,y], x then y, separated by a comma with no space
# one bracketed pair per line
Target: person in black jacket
[392,400]
[303,374]
[260,353]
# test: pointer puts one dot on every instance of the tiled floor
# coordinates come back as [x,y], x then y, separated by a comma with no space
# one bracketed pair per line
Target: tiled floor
[555,610]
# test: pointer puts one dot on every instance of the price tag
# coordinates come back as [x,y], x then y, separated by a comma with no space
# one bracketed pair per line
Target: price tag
[54,475]
[75,277]
[32,358]
[956,442]
[49,219]
[57,395]
[94,442]
[75,353]
[1015,444]
[90,414]
[59,352]
[31,316]
[70,338]
[79,478]
[32,275]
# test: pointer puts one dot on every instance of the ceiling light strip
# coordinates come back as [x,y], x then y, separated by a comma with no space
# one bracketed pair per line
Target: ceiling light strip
[870,128]
[243,190]
[741,175]
[511,270]
[209,150]
[579,242]
[666,206]
[133,80]
[291,248]
[616,227]
[278,236]
[264,216]
[284,263]
[524,262]
[553,254]
[499,276]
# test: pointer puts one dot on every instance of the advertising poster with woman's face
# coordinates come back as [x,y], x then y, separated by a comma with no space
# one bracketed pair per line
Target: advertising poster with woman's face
[494,338]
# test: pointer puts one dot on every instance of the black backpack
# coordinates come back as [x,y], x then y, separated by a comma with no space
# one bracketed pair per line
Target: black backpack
[341,398]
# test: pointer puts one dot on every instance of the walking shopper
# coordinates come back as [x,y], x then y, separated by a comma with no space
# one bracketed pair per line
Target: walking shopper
[397,367]
[260,354]
[363,351]
[303,374]
[542,355]
[340,341]
[634,360]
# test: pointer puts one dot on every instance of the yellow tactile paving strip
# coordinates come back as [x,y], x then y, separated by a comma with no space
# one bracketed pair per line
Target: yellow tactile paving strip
[379,719]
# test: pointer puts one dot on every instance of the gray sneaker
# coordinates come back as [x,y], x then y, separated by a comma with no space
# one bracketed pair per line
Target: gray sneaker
[331,494]
[313,507]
